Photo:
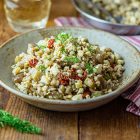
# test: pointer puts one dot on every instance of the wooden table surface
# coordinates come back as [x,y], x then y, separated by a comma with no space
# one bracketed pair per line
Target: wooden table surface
[109,122]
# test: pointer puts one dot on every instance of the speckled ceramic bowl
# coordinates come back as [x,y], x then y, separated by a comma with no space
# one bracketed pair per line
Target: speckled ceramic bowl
[18,44]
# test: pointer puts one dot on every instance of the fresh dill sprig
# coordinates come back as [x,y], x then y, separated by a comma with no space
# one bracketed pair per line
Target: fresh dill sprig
[6,119]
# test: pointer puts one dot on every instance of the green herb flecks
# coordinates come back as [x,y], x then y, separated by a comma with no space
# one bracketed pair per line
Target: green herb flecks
[96,94]
[48,57]
[63,50]
[94,69]
[72,59]
[62,37]
[6,119]
[42,68]
[41,47]
[90,68]
[89,48]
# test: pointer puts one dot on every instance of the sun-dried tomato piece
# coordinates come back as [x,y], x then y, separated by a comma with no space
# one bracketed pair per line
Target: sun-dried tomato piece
[33,62]
[63,79]
[73,73]
[73,70]
[75,76]
[84,75]
[50,43]
[64,82]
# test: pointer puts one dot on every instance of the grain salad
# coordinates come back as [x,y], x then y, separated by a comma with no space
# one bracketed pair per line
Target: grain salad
[67,68]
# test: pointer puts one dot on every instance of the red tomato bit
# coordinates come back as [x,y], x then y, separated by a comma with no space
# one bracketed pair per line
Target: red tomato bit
[50,43]
[63,79]
[75,76]
[73,73]
[33,62]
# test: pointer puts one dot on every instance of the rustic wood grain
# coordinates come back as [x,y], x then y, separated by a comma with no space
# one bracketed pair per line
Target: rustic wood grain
[109,122]
[55,125]
[4,97]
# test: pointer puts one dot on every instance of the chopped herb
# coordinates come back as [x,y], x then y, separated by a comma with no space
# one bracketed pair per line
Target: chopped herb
[41,47]
[96,94]
[94,70]
[63,50]
[72,59]
[48,57]
[6,119]
[62,37]
[42,68]
[90,68]
[89,48]
[57,41]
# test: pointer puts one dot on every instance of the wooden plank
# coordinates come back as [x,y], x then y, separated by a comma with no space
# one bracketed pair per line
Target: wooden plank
[4,97]
[109,122]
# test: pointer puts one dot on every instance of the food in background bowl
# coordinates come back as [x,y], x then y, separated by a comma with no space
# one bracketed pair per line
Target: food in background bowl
[67,68]
[122,11]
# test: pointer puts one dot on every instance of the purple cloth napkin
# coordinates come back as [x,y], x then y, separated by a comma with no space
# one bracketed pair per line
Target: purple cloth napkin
[133,93]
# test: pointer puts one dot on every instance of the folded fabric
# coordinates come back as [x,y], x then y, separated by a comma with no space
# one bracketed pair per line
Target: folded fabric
[133,93]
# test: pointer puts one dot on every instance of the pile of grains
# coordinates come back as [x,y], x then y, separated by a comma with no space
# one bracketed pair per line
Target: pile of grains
[67,68]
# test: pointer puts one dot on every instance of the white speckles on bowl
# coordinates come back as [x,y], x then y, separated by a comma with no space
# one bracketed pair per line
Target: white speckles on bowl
[18,44]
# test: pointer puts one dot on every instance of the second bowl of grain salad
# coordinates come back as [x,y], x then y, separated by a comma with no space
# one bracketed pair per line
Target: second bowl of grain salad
[115,16]
[68,69]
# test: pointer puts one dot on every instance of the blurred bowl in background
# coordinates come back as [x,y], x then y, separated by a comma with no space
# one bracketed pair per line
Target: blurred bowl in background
[105,25]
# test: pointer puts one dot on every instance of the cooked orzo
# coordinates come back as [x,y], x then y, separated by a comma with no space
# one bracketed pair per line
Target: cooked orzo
[67,68]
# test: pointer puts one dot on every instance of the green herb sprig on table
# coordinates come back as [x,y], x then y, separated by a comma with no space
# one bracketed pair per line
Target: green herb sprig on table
[6,119]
